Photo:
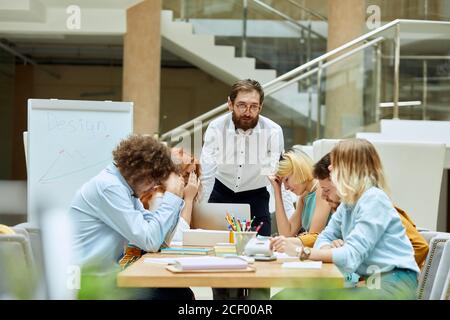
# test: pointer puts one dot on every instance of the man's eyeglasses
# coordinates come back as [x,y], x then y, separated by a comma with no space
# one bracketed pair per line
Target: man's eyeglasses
[242,107]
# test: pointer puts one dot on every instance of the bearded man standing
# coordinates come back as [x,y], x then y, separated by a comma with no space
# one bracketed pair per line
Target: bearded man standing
[241,149]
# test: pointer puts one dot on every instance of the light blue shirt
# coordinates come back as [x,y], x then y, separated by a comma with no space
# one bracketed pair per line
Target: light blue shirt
[106,215]
[373,236]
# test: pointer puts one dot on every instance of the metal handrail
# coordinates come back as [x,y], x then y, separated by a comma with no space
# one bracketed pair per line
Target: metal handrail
[295,72]
[310,11]
[326,65]
[287,18]
[285,84]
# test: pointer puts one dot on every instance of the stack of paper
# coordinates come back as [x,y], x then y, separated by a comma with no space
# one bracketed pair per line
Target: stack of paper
[210,263]
[225,249]
[193,251]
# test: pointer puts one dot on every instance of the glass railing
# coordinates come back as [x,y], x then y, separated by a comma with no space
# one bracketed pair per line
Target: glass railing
[438,10]
[231,9]
[400,70]
[333,99]
[309,9]
[424,73]
[280,35]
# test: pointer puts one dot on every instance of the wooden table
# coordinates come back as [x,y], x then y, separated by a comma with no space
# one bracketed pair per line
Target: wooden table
[268,274]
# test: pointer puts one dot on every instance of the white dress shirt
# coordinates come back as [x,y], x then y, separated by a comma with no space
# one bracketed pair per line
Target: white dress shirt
[241,160]
[289,198]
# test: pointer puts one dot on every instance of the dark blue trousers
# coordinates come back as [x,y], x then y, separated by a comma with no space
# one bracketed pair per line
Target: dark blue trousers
[258,200]
[259,208]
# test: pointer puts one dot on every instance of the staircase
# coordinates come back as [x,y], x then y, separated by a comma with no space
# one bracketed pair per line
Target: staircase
[371,70]
[221,62]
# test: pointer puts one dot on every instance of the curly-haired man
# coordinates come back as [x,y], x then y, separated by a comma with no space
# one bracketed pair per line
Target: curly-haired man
[107,212]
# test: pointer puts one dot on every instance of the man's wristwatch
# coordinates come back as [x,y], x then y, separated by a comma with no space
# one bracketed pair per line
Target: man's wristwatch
[306,252]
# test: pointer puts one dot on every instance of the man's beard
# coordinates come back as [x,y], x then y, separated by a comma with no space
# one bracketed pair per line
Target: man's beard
[239,123]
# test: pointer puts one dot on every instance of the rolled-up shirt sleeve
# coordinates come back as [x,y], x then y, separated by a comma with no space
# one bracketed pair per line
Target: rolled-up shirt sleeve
[148,234]
[371,220]
[208,161]
[276,147]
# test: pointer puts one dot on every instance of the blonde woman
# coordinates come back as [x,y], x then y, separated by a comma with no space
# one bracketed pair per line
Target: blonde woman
[295,171]
[365,235]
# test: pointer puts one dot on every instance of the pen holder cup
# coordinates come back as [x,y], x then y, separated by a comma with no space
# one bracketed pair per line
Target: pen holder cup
[241,239]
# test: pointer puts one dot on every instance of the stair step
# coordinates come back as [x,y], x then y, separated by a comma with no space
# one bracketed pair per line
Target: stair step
[220,60]
[248,61]
[227,50]
[197,43]
[264,75]
[176,29]
[183,25]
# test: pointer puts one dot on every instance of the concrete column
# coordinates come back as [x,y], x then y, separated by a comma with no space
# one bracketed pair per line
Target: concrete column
[344,81]
[142,63]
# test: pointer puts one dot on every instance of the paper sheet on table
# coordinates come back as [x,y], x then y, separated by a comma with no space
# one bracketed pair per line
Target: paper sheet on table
[284,257]
[302,265]
[175,260]
[164,261]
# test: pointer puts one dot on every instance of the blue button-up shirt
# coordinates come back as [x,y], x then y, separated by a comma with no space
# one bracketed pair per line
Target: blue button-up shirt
[106,215]
[373,234]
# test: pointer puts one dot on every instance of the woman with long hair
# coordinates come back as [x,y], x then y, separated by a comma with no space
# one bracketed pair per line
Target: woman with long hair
[372,239]
[295,171]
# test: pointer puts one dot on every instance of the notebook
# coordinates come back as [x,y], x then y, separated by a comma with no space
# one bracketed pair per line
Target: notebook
[223,250]
[210,263]
[190,251]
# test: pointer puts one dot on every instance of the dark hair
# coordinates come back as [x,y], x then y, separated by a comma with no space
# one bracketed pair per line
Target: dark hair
[320,170]
[143,158]
[246,85]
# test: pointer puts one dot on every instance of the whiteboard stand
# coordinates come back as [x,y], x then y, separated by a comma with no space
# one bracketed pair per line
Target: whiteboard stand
[68,143]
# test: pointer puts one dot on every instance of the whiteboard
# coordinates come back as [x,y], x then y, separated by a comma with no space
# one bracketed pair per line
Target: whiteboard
[69,142]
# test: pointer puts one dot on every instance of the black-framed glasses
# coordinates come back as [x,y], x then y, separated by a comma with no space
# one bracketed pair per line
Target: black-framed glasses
[243,107]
